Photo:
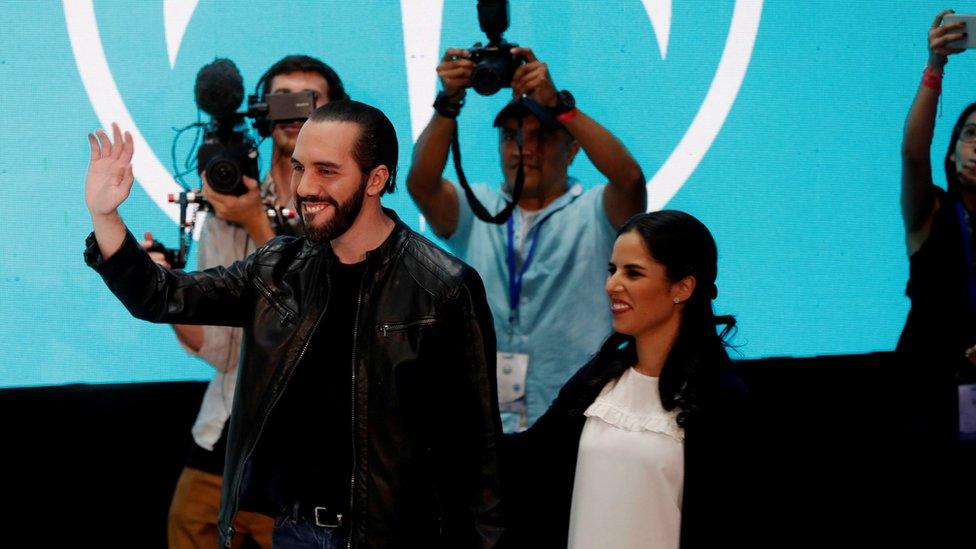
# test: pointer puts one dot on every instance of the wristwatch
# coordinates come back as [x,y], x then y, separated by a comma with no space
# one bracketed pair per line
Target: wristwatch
[448,106]
[565,108]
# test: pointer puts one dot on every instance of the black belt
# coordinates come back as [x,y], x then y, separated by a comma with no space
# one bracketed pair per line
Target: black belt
[319,515]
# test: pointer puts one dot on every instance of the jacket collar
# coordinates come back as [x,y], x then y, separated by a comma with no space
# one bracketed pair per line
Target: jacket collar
[390,247]
[374,258]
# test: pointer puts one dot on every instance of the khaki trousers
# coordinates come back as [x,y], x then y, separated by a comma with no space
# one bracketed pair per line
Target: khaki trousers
[193,515]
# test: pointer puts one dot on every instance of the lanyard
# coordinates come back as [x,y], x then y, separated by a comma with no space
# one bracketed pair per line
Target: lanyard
[514,273]
[967,245]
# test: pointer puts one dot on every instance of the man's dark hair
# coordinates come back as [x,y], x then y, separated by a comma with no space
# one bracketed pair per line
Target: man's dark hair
[302,63]
[377,143]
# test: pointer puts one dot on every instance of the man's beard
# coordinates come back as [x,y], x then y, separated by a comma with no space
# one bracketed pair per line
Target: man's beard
[345,215]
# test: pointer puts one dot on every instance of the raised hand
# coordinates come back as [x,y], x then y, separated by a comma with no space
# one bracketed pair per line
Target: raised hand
[941,35]
[247,210]
[455,71]
[533,79]
[109,177]
[242,209]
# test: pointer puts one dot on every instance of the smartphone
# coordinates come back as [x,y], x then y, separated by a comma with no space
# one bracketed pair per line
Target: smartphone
[970,21]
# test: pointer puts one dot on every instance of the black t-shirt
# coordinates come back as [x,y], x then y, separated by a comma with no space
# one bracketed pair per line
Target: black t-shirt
[307,448]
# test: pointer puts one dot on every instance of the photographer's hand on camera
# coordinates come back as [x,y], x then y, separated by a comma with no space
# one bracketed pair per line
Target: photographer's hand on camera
[454,71]
[247,210]
[625,193]
[435,195]
[533,80]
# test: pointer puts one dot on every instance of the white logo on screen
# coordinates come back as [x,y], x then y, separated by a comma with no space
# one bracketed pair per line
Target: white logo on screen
[421,31]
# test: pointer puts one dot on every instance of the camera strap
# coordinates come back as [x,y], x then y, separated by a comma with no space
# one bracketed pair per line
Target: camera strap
[476,206]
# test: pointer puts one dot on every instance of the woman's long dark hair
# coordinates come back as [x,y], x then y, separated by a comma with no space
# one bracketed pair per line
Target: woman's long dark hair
[685,247]
[952,179]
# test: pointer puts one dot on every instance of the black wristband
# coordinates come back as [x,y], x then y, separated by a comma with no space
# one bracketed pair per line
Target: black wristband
[447,106]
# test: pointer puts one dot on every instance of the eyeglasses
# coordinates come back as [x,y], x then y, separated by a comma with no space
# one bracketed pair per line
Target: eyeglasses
[968,134]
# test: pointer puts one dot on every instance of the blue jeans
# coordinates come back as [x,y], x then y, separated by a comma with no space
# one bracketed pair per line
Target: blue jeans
[300,533]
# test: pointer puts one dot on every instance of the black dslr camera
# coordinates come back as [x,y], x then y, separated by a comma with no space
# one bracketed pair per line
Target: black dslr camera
[229,151]
[494,64]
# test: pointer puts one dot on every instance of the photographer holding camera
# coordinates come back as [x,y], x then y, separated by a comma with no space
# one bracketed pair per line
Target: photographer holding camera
[543,268]
[238,225]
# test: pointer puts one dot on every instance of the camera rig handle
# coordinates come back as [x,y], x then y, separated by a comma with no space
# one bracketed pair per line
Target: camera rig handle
[177,257]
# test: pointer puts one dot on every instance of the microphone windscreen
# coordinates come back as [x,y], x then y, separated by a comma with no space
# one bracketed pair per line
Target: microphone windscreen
[219,88]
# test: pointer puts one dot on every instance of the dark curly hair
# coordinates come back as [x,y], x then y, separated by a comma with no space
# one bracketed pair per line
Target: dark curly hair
[301,63]
[685,247]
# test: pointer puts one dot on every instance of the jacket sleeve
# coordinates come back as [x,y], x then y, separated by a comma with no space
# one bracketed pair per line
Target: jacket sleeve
[537,470]
[480,427]
[218,296]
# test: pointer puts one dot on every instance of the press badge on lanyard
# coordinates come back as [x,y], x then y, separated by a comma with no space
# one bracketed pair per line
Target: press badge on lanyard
[514,367]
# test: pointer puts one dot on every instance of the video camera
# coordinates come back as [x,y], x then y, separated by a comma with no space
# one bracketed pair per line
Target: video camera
[494,64]
[228,151]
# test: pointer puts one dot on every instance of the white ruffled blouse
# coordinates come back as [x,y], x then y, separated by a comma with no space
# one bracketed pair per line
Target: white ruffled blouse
[629,470]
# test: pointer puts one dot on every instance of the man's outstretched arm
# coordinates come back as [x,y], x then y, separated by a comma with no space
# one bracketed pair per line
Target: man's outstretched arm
[625,193]
[435,196]
[149,291]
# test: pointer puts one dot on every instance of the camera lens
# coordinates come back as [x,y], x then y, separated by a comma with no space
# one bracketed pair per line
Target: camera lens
[223,175]
[485,79]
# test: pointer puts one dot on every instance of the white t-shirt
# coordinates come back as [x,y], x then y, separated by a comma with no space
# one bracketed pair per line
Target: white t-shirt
[629,470]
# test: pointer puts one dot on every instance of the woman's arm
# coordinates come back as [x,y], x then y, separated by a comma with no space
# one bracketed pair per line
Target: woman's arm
[917,196]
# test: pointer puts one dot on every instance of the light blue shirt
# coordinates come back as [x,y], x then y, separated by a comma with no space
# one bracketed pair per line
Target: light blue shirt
[563,314]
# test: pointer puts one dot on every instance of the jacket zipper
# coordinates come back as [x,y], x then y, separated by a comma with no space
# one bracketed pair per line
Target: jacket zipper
[388,327]
[352,476]
[264,420]
[283,310]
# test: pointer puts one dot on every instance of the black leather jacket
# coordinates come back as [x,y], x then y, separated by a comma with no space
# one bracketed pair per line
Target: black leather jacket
[425,413]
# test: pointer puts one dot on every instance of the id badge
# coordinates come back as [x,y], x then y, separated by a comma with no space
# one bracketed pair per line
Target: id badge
[512,369]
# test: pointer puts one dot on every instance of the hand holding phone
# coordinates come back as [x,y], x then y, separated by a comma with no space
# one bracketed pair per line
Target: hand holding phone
[968,41]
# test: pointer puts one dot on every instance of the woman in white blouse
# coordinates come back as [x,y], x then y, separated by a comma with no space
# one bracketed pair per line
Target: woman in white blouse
[638,451]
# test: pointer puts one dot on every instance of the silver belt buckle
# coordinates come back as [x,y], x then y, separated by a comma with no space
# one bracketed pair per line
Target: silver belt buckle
[323,522]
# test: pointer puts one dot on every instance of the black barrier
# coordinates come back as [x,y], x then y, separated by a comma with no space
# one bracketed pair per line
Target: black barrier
[842,457]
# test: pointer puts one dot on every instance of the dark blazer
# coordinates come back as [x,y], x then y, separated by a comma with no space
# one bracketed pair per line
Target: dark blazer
[539,465]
